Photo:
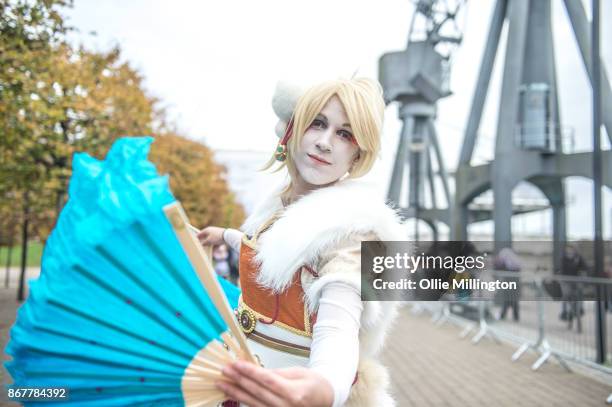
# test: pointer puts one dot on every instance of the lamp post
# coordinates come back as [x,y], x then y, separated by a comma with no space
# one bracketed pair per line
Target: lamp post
[597,183]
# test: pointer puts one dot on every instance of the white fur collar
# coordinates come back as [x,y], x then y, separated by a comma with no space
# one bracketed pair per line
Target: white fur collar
[314,224]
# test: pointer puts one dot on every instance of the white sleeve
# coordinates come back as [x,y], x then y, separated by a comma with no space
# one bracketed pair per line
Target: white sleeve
[334,352]
[233,238]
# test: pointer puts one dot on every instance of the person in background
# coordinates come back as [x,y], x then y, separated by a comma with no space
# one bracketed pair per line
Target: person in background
[221,260]
[608,290]
[225,262]
[507,260]
[573,265]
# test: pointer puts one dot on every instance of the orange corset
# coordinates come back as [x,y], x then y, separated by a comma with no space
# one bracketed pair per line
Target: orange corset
[286,309]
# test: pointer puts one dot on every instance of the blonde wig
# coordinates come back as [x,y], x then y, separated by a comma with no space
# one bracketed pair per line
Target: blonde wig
[362,99]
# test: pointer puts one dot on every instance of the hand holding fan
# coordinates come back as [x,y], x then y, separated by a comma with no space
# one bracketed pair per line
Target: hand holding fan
[127,309]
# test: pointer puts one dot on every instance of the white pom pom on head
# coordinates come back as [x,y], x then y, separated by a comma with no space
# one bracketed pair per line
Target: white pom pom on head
[280,127]
[286,95]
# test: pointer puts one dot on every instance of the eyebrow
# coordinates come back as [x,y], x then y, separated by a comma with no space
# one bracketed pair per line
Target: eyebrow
[348,125]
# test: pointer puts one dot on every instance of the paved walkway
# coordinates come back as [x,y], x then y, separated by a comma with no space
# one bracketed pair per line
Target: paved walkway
[431,366]
[8,306]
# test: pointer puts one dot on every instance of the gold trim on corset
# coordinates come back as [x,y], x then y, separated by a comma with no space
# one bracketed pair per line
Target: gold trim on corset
[245,312]
[244,308]
[252,243]
[307,320]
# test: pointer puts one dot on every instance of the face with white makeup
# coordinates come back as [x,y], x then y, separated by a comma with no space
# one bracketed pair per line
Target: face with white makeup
[335,130]
[328,148]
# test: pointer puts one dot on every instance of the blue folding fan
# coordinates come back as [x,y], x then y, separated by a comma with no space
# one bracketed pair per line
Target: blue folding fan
[127,309]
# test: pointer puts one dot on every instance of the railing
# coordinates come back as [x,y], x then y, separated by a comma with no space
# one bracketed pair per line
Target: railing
[553,318]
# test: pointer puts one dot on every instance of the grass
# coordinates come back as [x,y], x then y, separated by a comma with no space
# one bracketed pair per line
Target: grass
[34,255]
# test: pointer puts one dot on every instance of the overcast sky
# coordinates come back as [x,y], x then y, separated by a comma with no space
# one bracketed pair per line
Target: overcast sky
[215,64]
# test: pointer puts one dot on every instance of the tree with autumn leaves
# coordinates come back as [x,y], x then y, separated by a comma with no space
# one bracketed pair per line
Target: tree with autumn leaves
[197,181]
[56,99]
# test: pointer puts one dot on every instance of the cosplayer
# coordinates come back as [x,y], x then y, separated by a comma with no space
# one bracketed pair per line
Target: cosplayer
[300,274]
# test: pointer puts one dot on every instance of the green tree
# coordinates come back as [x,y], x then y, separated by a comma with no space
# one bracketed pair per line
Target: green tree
[29,32]
[56,99]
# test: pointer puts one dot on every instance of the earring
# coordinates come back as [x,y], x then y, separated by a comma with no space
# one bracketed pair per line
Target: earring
[281,150]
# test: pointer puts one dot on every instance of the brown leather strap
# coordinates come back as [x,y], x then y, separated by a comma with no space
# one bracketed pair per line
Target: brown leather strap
[278,344]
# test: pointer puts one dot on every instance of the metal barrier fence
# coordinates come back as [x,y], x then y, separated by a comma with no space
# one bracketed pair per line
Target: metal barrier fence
[555,322]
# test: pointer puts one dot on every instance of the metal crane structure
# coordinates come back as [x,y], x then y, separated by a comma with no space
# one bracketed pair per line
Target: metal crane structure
[529,138]
[417,77]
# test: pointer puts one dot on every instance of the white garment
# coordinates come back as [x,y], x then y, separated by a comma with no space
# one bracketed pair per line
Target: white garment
[334,352]
[233,238]
[306,233]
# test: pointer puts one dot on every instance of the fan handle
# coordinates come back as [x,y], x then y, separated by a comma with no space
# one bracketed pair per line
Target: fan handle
[207,249]
[205,271]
